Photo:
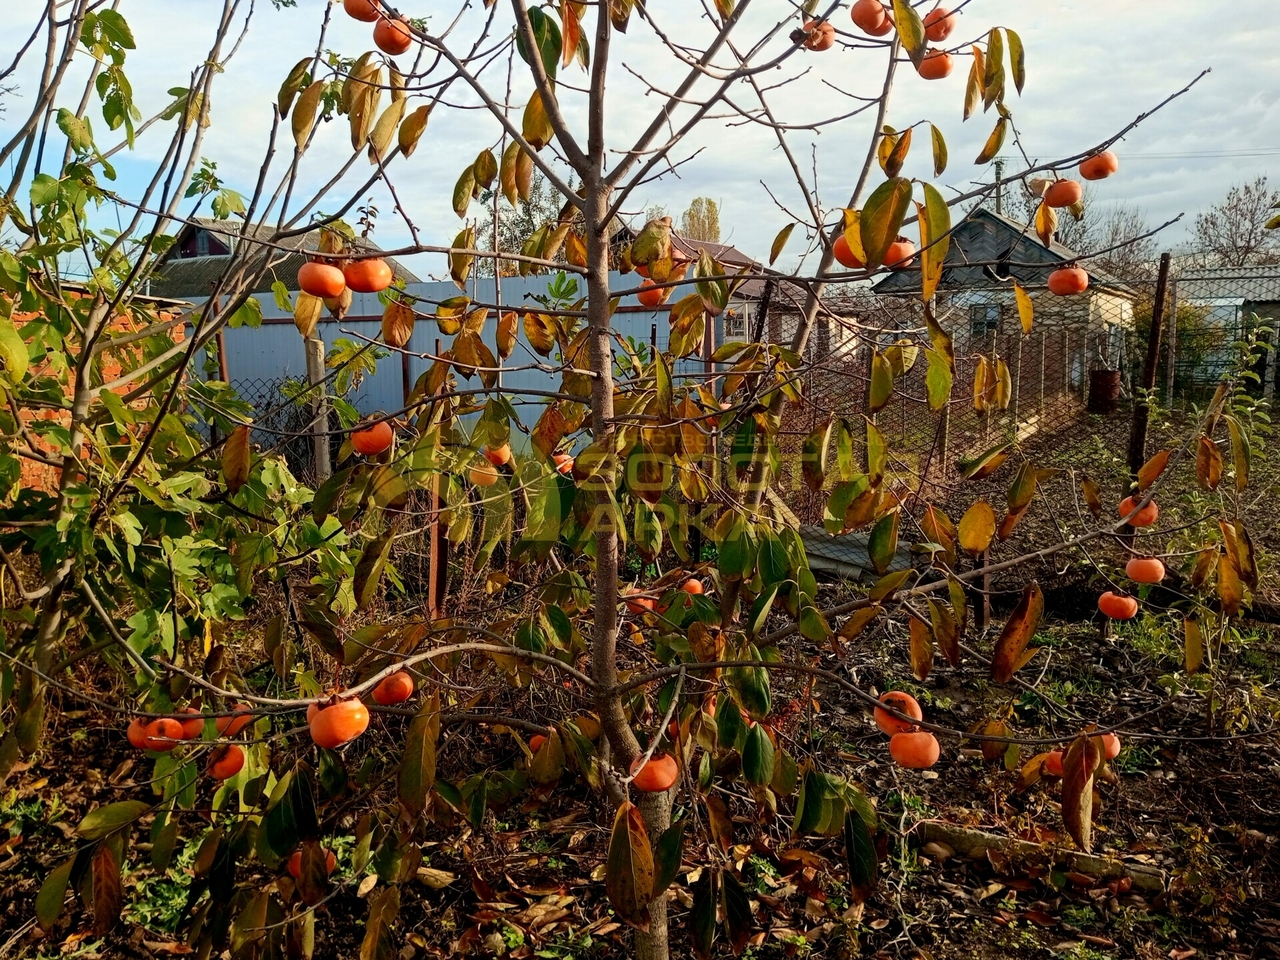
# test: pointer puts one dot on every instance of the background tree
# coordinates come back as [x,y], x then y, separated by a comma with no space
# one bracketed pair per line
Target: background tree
[701,221]
[1120,229]
[1234,232]
[516,222]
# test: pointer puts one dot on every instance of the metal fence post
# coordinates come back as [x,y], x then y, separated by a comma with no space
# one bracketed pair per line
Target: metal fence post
[1040,392]
[1171,369]
[1017,379]
[1141,409]
[437,545]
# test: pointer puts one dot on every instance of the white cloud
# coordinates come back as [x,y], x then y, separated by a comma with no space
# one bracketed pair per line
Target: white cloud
[1093,65]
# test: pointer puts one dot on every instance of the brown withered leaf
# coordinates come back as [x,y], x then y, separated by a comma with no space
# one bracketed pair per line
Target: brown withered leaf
[1017,633]
[1079,764]
[397,324]
[235,459]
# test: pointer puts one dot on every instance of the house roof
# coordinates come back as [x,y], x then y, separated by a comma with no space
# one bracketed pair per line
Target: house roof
[987,248]
[177,276]
[1257,284]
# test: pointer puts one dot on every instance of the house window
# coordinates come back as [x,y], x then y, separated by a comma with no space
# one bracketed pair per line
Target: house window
[735,323]
[202,243]
[984,319]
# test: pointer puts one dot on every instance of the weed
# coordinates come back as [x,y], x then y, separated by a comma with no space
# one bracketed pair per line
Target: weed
[758,869]
[569,946]
[1082,916]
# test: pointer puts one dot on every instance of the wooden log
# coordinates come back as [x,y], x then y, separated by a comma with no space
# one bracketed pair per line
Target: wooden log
[975,844]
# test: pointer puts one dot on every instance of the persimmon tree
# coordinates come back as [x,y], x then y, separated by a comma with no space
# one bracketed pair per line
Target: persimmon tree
[156,536]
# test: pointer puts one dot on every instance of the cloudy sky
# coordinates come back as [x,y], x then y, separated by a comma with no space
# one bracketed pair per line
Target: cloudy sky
[1093,66]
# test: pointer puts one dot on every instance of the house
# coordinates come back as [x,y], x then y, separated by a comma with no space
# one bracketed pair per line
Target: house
[203,250]
[1216,308]
[989,252]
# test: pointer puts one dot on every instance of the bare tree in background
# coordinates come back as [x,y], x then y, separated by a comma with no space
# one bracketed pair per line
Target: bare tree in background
[515,223]
[701,221]
[1103,228]
[1234,232]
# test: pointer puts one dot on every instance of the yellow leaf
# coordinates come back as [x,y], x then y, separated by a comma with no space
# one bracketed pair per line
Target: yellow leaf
[397,324]
[1026,311]
[1152,469]
[384,130]
[411,131]
[306,313]
[235,459]
[779,242]
[304,117]
[977,527]
[536,124]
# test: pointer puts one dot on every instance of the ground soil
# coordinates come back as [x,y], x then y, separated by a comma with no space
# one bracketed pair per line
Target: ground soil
[1204,808]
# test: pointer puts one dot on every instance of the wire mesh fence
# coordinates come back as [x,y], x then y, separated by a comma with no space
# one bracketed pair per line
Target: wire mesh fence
[280,423]
[1215,310]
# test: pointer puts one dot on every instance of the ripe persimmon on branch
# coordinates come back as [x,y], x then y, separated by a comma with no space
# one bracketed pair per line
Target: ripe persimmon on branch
[172,522]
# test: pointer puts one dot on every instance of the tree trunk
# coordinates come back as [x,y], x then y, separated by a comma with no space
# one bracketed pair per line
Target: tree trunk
[655,808]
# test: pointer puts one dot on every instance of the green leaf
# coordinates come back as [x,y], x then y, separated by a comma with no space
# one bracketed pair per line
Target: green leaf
[667,854]
[53,892]
[369,568]
[77,130]
[881,382]
[938,380]
[114,816]
[44,190]
[14,354]
[737,912]
[813,626]
[629,870]
[112,27]
[813,455]
[860,855]
[751,685]
[702,917]
[771,559]
[883,543]
[877,454]
[546,34]
[935,239]
[729,725]
[880,220]
[757,756]
[910,30]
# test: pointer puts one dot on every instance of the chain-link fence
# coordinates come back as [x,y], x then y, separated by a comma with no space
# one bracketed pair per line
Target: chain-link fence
[1064,388]
[1216,310]
[281,424]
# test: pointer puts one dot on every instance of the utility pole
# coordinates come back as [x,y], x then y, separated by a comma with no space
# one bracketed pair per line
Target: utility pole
[1000,186]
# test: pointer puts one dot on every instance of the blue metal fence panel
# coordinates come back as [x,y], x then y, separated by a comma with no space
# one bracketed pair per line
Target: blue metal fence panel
[259,358]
